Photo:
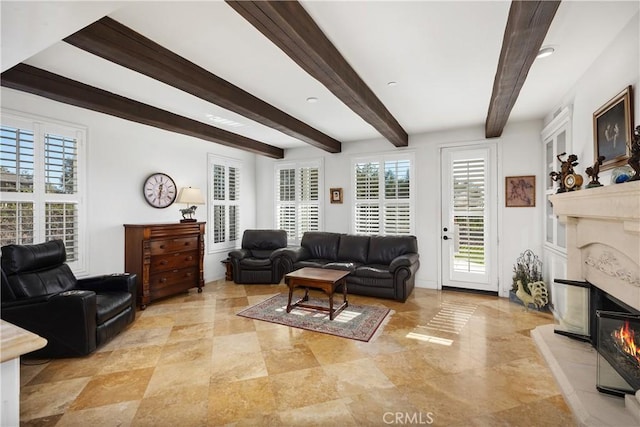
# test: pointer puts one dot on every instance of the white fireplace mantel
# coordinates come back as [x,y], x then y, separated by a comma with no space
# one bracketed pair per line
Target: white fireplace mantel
[603,237]
[619,202]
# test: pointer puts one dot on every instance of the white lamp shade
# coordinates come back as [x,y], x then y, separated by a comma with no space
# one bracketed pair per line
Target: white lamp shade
[190,196]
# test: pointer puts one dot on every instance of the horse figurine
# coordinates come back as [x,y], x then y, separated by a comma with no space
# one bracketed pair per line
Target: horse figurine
[187,213]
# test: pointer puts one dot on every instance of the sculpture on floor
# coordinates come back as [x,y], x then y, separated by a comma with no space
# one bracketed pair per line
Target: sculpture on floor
[539,295]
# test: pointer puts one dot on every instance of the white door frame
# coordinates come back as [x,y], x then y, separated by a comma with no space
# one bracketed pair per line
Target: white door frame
[495,170]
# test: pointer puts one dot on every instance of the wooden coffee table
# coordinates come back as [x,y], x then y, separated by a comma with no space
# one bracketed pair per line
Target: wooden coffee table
[318,278]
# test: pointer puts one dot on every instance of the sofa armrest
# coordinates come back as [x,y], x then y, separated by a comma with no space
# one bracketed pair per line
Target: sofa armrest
[240,254]
[67,320]
[295,254]
[277,253]
[109,282]
[406,260]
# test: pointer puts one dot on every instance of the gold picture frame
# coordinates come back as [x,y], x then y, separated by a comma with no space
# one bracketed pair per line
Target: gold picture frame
[335,195]
[613,129]
[520,191]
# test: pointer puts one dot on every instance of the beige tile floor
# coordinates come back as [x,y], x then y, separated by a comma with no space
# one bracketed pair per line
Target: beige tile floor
[190,361]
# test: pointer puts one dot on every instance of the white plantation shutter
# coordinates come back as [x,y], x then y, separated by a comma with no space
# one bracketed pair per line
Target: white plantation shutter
[234,204]
[224,203]
[17,223]
[308,209]
[286,201]
[41,184]
[469,214]
[397,218]
[383,202]
[298,198]
[17,165]
[367,198]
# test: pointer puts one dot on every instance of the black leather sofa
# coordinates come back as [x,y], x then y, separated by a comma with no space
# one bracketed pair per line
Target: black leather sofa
[380,266]
[41,294]
[257,260]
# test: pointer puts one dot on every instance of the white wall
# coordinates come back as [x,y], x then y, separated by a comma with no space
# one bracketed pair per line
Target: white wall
[120,155]
[519,154]
[617,67]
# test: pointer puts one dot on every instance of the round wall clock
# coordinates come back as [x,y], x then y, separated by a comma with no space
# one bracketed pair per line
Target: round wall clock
[159,190]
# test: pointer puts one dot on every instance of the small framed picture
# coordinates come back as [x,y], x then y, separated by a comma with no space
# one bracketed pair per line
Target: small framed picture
[335,194]
[520,191]
[612,130]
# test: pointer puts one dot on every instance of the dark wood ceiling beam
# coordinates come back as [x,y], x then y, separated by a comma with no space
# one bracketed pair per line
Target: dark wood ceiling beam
[117,43]
[288,25]
[524,34]
[34,80]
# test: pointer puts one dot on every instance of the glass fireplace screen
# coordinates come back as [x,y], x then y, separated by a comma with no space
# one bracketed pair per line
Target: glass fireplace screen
[618,364]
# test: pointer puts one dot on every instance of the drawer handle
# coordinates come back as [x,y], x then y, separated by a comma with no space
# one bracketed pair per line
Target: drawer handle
[164,262]
[188,274]
[189,258]
[164,279]
[187,243]
[162,246]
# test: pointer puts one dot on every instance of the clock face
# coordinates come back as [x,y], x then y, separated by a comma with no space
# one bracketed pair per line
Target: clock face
[159,190]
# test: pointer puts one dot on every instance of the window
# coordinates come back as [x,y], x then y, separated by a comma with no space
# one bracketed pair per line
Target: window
[41,184]
[298,202]
[383,195]
[224,203]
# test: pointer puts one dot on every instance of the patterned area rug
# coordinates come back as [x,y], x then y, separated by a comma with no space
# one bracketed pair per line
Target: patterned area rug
[357,322]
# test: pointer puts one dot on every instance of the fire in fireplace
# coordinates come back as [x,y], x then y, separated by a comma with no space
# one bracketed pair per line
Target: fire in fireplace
[585,312]
[619,347]
[625,341]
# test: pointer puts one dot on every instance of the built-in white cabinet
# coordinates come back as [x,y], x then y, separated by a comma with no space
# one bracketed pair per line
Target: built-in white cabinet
[556,139]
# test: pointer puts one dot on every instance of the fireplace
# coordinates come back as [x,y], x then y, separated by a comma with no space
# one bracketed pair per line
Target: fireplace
[587,313]
[618,352]
[603,256]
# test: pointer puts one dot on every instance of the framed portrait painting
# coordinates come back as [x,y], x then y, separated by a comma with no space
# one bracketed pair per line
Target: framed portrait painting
[520,191]
[612,130]
[335,194]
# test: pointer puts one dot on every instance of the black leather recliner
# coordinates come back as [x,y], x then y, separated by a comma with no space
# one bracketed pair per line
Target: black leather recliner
[258,260]
[41,295]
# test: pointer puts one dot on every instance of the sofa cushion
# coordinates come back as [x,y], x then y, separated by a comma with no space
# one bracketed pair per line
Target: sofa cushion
[255,263]
[376,271]
[321,245]
[261,253]
[383,249]
[264,239]
[110,304]
[344,265]
[39,283]
[315,263]
[353,248]
[23,258]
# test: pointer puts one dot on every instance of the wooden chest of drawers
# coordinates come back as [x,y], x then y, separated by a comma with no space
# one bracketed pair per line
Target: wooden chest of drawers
[168,258]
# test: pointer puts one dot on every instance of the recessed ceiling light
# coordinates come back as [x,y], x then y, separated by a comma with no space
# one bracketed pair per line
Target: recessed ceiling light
[312,100]
[392,83]
[545,51]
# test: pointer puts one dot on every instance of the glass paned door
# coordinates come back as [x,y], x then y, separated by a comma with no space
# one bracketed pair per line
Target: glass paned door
[468,232]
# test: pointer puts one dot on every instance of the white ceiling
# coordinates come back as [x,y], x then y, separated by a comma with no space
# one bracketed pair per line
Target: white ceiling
[442,54]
